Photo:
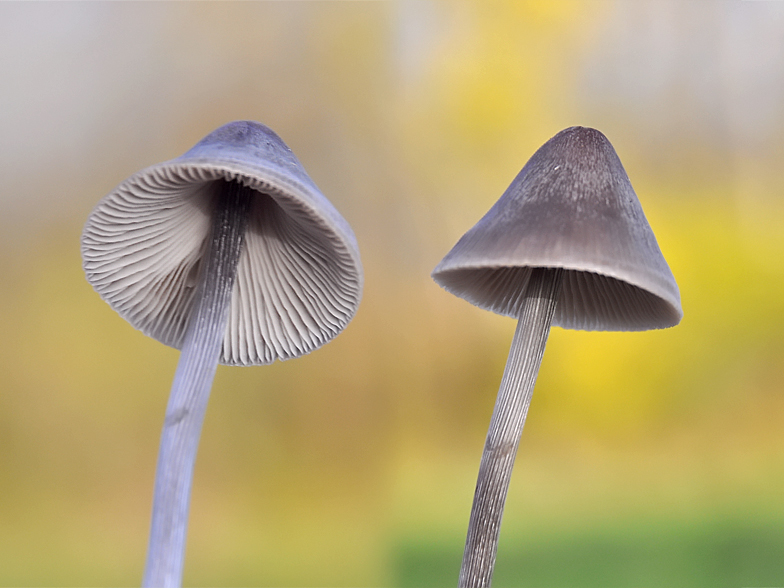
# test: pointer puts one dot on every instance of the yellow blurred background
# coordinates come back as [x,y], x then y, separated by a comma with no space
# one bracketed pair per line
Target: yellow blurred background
[648,459]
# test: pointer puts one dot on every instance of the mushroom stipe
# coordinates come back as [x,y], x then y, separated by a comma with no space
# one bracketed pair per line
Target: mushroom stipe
[506,424]
[192,382]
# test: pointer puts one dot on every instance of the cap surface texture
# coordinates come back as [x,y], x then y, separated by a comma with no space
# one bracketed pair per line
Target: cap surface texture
[299,278]
[572,206]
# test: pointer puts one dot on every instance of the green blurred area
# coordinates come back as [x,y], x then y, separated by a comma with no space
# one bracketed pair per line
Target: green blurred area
[715,553]
[648,459]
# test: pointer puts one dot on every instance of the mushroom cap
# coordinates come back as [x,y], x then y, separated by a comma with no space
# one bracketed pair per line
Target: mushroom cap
[572,206]
[299,278]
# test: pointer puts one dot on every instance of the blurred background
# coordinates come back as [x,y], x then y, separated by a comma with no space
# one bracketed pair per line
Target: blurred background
[648,459]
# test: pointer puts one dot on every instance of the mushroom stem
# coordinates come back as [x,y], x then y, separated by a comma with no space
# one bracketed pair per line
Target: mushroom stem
[191,387]
[506,425]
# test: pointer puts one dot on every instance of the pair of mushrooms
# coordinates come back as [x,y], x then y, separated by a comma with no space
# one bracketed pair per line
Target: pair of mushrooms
[232,254]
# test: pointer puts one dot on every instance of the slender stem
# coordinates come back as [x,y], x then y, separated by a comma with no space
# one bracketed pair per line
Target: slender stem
[191,388]
[506,426]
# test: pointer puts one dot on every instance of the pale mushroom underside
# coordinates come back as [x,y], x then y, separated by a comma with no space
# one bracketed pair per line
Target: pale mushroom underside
[588,301]
[298,279]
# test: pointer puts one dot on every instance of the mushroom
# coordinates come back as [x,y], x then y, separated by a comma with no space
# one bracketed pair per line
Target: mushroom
[567,244]
[230,253]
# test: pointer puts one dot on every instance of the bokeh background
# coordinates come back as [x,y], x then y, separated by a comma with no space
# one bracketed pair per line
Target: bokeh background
[648,459]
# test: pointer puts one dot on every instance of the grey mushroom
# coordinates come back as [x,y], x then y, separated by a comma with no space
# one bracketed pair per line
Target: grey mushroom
[567,244]
[233,255]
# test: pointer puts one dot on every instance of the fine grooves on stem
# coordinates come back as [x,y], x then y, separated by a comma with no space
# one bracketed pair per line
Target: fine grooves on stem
[191,387]
[506,425]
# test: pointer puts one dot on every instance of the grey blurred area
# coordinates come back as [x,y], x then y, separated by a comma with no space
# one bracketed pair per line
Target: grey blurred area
[92,91]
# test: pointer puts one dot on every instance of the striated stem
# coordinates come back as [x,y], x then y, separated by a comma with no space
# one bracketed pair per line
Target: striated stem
[506,426]
[191,387]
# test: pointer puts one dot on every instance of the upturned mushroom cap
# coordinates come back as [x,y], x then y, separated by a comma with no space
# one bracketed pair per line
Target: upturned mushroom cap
[572,206]
[299,279]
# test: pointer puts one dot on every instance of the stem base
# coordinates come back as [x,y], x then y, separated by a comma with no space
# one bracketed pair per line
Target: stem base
[506,425]
[191,387]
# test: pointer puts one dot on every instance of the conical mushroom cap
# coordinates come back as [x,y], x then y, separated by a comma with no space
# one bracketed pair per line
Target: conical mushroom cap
[572,206]
[299,277]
